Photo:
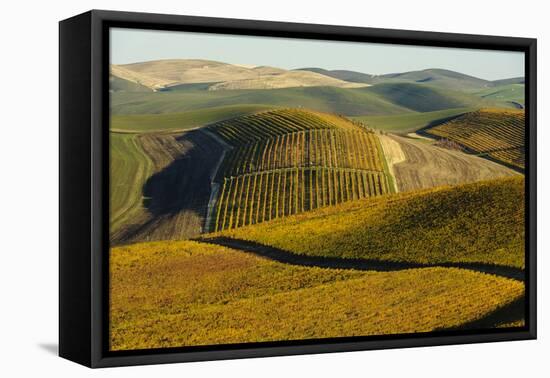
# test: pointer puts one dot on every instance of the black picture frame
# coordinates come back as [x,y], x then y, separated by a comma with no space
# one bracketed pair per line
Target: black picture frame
[83,196]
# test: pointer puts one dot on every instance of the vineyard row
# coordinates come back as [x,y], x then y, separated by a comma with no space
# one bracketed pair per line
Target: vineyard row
[254,198]
[265,125]
[314,148]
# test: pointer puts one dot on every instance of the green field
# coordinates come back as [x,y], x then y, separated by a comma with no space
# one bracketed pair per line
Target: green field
[505,93]
[424,98]
[180,121]
[411,122]
[130,168]
[170,294]
[327,99]
[476,223]
[380,99]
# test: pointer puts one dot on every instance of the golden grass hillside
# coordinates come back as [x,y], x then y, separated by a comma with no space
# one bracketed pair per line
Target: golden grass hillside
[169,72]
[171,294]
[476,223]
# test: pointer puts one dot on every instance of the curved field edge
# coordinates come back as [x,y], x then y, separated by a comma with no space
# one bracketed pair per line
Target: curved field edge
[130,167]
[410,122]
[170,294]
[496,134]
[137,123]
[415,164]
[472,223]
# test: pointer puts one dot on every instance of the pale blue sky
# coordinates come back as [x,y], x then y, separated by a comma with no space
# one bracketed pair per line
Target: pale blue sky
[135,45]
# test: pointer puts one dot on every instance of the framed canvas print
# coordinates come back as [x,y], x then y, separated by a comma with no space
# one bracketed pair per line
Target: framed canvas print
[234,188]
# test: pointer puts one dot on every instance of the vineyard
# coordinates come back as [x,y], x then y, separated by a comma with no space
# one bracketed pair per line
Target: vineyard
[499,134]
[481,222]
[288,161]
[253,198]
[264,125]
[169,294]
[319,148]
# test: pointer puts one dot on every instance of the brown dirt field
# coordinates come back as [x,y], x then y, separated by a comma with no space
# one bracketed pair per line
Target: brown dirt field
[393,152]
[427,166]
[176,196]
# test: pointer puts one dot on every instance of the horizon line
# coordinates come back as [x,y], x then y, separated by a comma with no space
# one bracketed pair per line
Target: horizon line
[252,66]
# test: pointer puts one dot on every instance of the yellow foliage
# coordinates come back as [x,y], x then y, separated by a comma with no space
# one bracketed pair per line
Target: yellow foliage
[479,223]
[170,294]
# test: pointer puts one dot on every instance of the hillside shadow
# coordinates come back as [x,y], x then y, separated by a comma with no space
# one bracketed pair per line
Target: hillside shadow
[185,183]
[176,197]
[512,312]
[436,122]
[287,257]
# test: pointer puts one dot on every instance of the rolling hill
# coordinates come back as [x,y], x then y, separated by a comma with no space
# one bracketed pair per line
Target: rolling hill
[351,76]
[473,223]
[289,161]
[239,171]
[117,84]
[288,79]
[163,74]
[511,93]
[381,99]
[514,80]
[180,121]
[346,101]
[495,133]
[173,294]
[440,78]
[422,98]
[416,164]
[411,122]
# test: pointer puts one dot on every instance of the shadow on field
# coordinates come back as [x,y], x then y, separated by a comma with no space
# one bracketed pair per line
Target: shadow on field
[185,183]
[287,257]
[512,312]
[176,197]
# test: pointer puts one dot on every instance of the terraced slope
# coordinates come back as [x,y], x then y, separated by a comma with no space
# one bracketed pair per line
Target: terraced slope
[474,223]
[288,161]
[496,133]
[172,294]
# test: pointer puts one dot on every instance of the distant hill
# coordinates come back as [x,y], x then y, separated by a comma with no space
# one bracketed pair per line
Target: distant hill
[164,74]
[348,101]
[423,98]
[381,99]
[507,93]
[436,77]
[351,76]
[440,78]
[514,80]
[494,133]
[290,79]
[117,84]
